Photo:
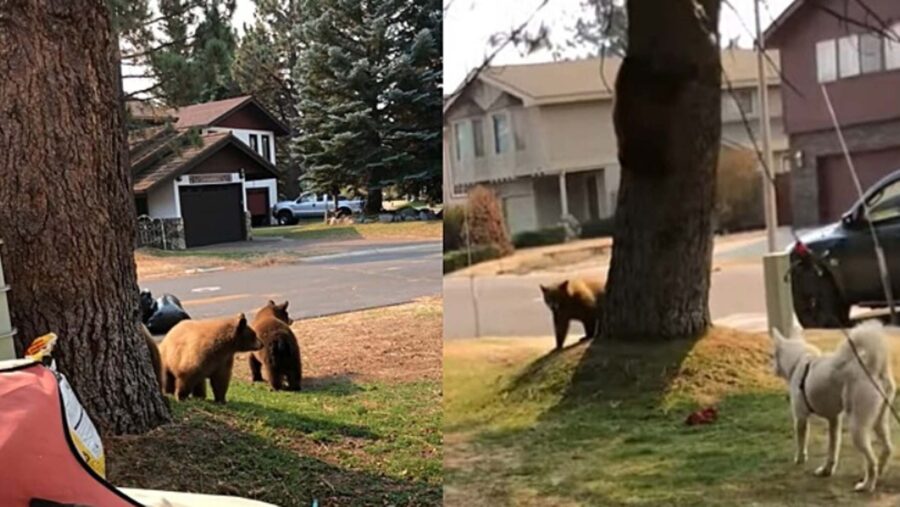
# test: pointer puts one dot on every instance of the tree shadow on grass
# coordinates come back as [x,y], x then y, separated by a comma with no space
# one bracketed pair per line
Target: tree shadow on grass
[278,419]
[206,453]
[598,372]
[338,384]
[613,430]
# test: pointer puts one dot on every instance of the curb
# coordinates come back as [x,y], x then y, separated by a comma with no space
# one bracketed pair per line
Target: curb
[373,251]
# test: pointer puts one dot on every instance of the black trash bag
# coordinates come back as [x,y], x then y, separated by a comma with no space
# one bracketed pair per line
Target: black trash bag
[168,313]
[148,305]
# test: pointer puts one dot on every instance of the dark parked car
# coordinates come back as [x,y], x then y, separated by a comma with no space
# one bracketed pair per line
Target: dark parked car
[836,267]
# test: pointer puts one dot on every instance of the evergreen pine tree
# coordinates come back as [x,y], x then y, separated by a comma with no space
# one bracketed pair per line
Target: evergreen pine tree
[195,64]
[262,68]
[415,99]
[187,47]
[340,76]
[368,79]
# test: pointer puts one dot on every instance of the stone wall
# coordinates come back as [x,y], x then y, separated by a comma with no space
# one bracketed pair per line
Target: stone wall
[248,226]
[161,233]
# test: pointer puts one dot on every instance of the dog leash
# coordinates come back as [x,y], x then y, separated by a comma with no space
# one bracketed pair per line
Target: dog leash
[803,387]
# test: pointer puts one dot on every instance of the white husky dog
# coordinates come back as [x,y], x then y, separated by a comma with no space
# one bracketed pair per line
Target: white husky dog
[833,384]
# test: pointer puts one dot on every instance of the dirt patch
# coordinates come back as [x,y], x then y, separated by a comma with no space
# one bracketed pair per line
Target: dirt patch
[391,344]
[549,258]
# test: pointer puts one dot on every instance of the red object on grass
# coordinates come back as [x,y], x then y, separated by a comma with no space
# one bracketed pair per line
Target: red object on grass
[706,416]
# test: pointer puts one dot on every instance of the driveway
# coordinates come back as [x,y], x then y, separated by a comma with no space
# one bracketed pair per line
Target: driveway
[352,280]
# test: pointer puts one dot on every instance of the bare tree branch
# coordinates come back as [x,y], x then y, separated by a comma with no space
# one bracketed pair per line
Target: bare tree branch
[513,35]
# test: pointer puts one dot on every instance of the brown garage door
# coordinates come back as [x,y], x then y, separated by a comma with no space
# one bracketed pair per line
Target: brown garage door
[258,205]
[837,192]
[212,214]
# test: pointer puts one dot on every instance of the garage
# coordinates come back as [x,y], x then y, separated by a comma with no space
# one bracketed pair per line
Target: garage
[837,191]
[212,214]
[258,205]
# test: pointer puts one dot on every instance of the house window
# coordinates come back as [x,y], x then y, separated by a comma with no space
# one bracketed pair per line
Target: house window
[501,133]
[871,49]
[463,133]
[266,150]
[848,56]
[743,99]
[478,137]
[254,143]
[892,50]
[517,129]
[826,61]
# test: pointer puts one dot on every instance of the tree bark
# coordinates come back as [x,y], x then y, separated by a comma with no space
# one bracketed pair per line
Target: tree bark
[374,201]
[668,123]
[67,214]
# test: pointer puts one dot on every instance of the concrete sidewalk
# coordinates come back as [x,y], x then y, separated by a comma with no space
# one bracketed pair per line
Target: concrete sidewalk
[743,246]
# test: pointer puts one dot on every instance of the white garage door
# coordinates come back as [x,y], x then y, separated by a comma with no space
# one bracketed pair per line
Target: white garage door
[519,213]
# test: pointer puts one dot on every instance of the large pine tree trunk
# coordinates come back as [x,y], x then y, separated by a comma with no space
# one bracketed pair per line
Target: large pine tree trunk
[668,123]
[66,210]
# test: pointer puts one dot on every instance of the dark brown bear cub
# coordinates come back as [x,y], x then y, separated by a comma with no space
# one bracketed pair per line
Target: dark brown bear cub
[196,350]
[280,354]
[154,354]
[575,299]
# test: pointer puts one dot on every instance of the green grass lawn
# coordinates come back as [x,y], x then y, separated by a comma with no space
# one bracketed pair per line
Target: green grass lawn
[374,231]
[605,426]
[342,444]
[365,430]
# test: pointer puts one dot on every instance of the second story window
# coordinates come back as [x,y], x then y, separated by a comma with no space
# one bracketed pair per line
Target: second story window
[892,50]
[266,150]
[848,56]
[478,137]
[871,53]
[501,133]
[857,54]
[826,60]
[254,143]
[744,100]
[462,132]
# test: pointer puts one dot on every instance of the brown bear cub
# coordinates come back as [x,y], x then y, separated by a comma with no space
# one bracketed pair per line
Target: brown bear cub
[196,350]
[575,299]
[280,355]
[154,354]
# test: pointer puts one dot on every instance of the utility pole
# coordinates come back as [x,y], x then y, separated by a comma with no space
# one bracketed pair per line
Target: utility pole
[765,129]
[776,265]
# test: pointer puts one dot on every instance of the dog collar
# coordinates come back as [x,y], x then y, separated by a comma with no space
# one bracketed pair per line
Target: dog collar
[803,387]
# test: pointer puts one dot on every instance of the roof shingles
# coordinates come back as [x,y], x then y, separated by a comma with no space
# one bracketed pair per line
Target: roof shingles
[202,115]
[578,80]
[174,164]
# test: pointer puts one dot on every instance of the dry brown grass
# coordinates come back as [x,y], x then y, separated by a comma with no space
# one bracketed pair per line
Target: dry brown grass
[151,266]
[392,344]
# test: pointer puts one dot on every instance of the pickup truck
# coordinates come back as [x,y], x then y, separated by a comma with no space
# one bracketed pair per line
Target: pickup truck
[311,205]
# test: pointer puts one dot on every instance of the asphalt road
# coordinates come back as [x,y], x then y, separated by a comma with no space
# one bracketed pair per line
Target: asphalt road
[512,305]
[318,286]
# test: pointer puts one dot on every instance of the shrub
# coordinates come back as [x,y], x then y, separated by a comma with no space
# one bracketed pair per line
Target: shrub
[738,191]
[453,227]
[601,228]
[540,237]
[485,221]
[459,259]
